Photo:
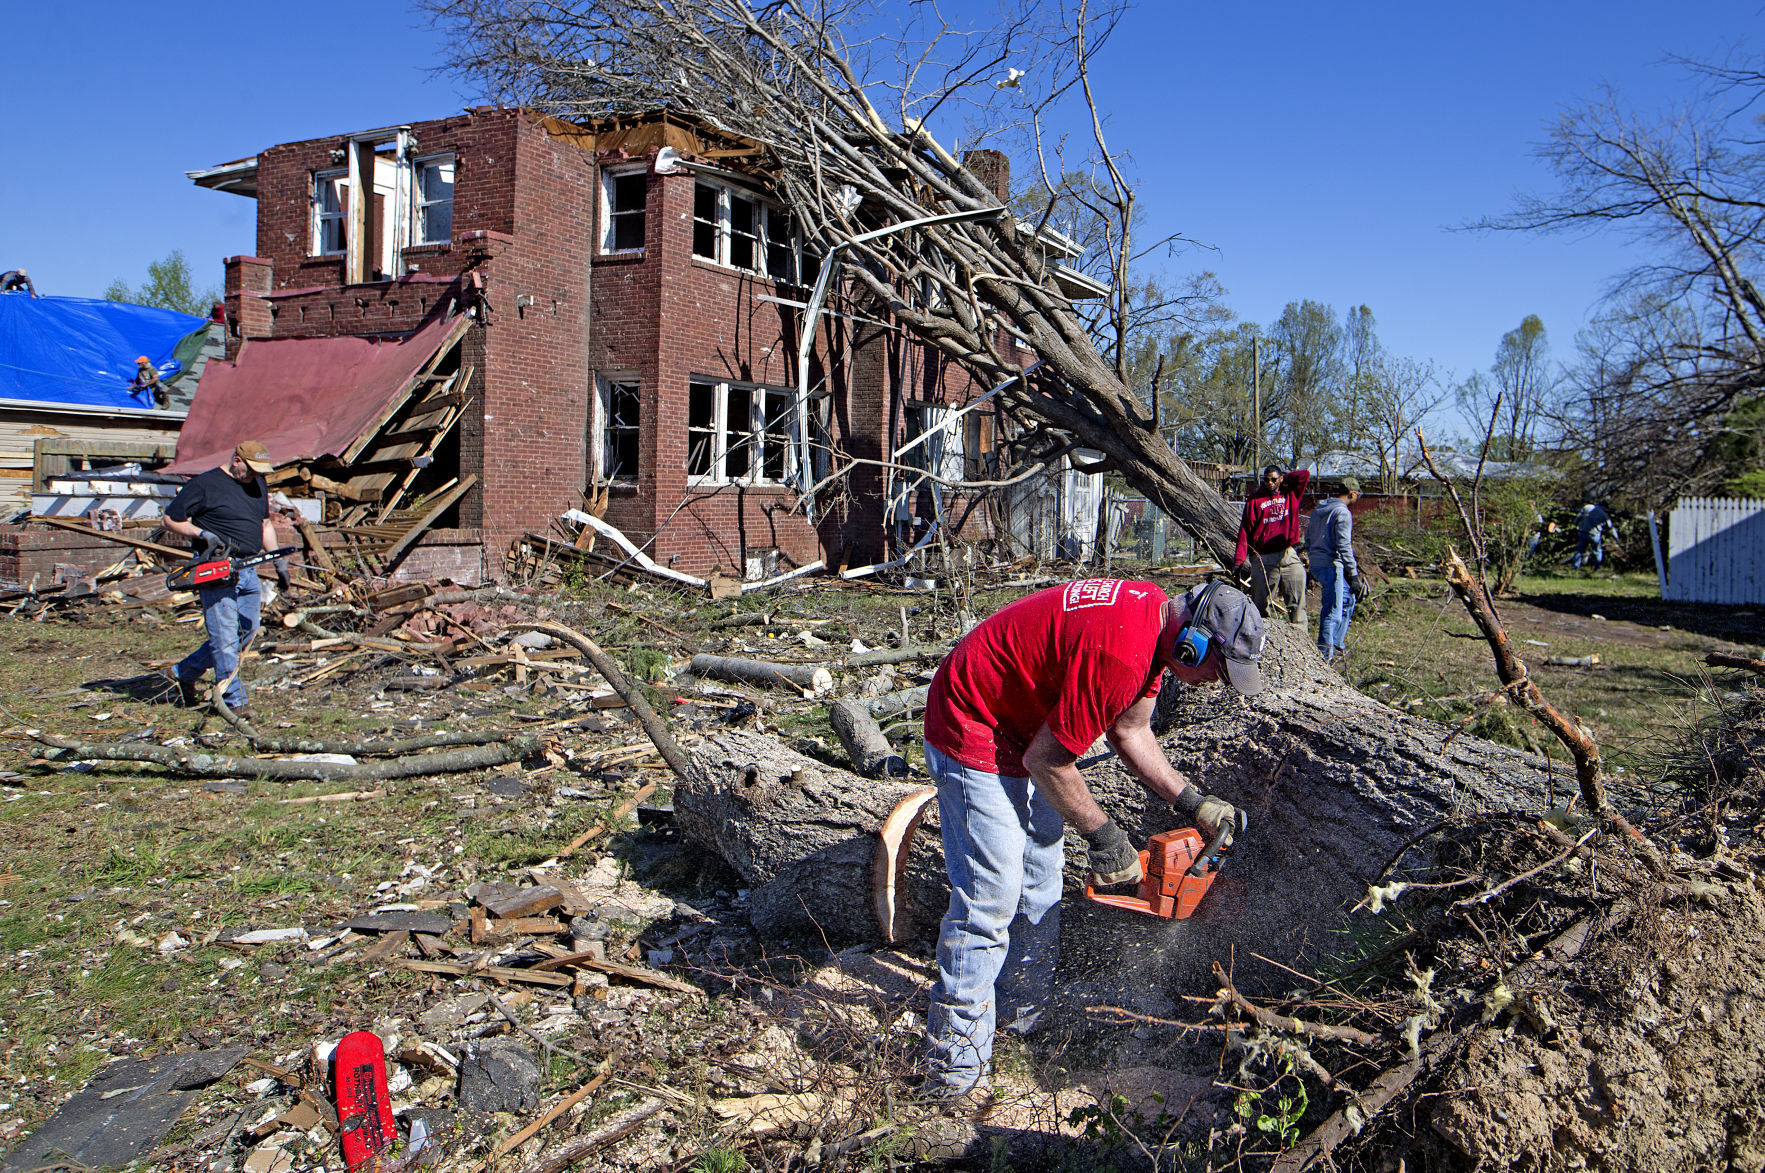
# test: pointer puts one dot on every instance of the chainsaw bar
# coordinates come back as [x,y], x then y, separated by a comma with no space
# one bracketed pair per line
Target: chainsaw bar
[213,571]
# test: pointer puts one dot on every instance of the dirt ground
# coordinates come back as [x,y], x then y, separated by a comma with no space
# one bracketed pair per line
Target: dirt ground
[133,902]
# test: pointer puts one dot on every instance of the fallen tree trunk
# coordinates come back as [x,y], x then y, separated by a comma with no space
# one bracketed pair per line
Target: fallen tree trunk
[810,678]
[1333,783]
[206,765]
[863,739]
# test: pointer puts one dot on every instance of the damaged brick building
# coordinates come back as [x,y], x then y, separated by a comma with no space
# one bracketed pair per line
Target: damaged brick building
[633,299]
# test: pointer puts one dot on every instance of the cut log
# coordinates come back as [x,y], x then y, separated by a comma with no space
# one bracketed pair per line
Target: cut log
[811,679]
[804,835]
[1306,759]
[898,656]
[908,700]
[1572,661]
[863,739]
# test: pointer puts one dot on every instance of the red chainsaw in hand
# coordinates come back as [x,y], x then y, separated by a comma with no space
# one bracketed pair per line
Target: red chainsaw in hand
[201,572]
[1176,870]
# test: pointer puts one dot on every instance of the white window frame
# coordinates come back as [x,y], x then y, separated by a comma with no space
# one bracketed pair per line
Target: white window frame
[766,212]
[754,434]
[420,205]
[339,177]
[609,225]
[601,437]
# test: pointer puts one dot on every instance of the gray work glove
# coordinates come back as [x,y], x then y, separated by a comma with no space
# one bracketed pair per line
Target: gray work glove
[1241,572]
[211,546]
[1111,858]
[1359,587]
[282,583]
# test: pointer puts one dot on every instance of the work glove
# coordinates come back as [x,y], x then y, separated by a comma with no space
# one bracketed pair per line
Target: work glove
[1241,572]
[282,583]
[1207,811]
[1111,858]
[1359,587]
[210,546]
[1214,813]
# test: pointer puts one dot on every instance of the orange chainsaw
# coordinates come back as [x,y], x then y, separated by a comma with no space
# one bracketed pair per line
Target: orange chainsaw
[1176,870]
[201,572]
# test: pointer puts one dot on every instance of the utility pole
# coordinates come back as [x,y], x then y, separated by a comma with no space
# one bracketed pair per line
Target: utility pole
[1256,399]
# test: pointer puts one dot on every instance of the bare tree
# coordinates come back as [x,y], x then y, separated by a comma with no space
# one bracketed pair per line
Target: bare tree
[1684,343]
[1400,395]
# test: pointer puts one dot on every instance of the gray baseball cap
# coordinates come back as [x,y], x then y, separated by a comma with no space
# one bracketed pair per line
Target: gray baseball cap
[1232,620]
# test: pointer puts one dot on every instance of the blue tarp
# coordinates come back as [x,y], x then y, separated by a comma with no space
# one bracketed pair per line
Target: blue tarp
[82,350]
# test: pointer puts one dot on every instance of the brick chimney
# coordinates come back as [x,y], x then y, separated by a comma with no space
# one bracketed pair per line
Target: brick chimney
[992,168]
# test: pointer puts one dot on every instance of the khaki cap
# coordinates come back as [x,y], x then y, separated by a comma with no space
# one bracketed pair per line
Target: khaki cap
[255,456]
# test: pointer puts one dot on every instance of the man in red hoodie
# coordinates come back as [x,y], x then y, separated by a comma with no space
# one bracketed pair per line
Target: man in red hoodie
[1271,528]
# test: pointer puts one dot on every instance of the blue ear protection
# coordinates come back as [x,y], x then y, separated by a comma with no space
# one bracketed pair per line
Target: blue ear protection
[1192,642]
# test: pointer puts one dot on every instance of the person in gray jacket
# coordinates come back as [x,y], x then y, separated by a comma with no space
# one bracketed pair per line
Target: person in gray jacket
[1329,548]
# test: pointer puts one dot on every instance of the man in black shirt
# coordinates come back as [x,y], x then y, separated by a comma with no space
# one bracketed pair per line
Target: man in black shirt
[226,513]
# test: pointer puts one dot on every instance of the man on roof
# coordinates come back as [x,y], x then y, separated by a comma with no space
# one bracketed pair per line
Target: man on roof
[1009,712]
[147,384]
[225,512]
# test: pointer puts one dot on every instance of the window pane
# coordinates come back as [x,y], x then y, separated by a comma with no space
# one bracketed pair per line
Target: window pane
[628,193]
[701,402]
[628,231]
[620,457]
[776,444]
[738,458]
[435,195]
[705,221]
[743,232]
[780,259]
[626,211]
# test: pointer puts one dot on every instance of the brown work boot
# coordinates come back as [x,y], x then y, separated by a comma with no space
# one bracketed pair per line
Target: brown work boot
[950,1130]
[243,712]
[187,694]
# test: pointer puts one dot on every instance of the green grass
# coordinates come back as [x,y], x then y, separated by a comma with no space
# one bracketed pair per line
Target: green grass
[1416,649]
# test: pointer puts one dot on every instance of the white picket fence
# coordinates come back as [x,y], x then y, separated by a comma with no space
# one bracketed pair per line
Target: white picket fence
[1716,551]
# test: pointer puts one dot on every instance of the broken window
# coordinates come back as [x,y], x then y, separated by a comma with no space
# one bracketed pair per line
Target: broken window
[739,432]
[781,236]
[624,195]
[701,430]
[618,418]
[330,205]
[435,200]
[734,227]
[744,232]
[707,232]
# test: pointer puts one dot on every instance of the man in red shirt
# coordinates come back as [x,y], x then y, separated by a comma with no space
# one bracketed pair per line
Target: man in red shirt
[1008,714]
[1271,528]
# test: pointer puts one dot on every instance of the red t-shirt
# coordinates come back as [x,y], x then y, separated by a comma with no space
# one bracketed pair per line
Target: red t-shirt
[1074,657]
[1271,523]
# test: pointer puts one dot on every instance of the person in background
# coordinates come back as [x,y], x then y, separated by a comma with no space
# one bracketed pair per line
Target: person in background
[1591,525]
[1270,528]
[17,281]
[225,512]
[1329,547]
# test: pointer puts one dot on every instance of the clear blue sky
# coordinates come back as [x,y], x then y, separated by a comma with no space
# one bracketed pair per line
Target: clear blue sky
[1323,150]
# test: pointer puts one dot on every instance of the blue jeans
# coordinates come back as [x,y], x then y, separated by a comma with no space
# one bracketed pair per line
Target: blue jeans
[1338,607]
[229,613]
[1589,550]
[1003,848]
